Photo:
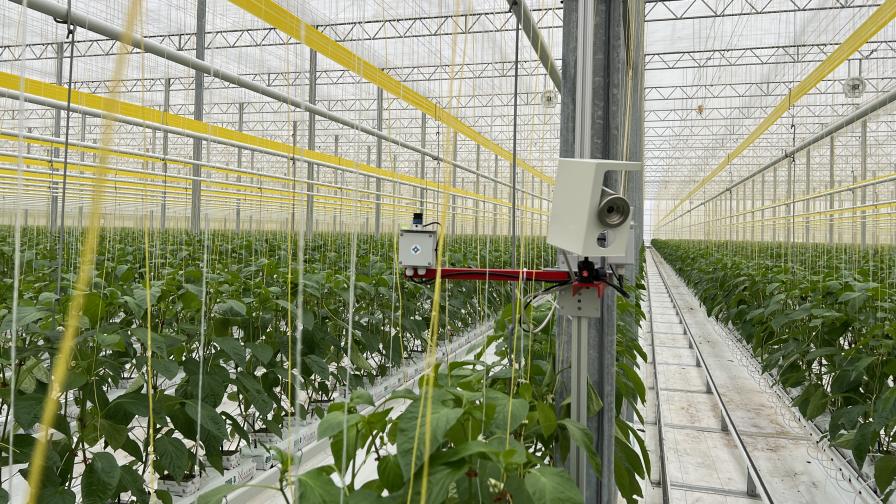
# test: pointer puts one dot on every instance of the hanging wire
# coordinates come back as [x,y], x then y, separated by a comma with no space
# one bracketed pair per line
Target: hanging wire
[70,34]
[82,285]
[21,39]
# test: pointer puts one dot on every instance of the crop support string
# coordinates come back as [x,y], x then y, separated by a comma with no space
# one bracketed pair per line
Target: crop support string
[82,283]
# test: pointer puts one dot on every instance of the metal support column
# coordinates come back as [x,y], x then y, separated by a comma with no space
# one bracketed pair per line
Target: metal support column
[753,205]
[341,175]
[239,162]
[495,195]
[422,159]
[378,184]
[863,175]
[453,207]
[774,223]
[791,208]
[367,195]
[166,105]
[806,232]
[596,119]
[57,132]
[513,160]
[478,203]
[312,99]
[762,204]
[83,135]
[831,186]
[294,173]
[198,89]
[730,215]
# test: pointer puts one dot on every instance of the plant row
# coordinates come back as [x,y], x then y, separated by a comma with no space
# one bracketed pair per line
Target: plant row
[484,429]
[821,319]
[222,311]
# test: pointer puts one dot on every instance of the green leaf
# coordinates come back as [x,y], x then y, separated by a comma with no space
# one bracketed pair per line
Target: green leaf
[317,365]
[100,479]
[261,352]
[316,487]
[214,430]
[818,404]
[581,436]
[361,397]
[440,479]
[549,484]
[410,438]
[28,409]
[849,296]
[389,472]
[517,409]
[233,348]
[172,457]
[365,496]
[132,481]
[231,308]
[885,473]
[236,426]
[334,421]
[168,368]
[594,402]
[112,341]
[251,388]
[864,438]
[359,361]
[26,315]
[216,495]
[56,495]
[124,408]
[468,451]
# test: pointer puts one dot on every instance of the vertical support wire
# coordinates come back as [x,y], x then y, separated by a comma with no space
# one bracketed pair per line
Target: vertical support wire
[348,363]
[202,330]
[60,245]
[21,39]
[83,281]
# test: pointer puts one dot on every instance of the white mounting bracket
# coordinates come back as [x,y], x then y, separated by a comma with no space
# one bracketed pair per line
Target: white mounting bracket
[584,303]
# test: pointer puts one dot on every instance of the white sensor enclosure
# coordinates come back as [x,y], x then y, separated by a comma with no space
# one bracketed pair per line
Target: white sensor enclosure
[417,249]
[578,195]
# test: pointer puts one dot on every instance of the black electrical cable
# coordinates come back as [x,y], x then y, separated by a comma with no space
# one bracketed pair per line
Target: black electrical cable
[619,288]
[545,291]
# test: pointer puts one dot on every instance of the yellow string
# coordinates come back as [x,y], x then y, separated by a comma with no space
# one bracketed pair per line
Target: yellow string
[397,273]
[82,283]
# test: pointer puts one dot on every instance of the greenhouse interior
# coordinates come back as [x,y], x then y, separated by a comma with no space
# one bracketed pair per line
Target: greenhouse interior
[447,251]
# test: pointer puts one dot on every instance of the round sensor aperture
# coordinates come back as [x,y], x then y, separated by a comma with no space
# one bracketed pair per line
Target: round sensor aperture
[613,211]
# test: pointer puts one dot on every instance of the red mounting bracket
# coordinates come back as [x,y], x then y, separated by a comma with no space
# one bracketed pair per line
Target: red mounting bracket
[493,275]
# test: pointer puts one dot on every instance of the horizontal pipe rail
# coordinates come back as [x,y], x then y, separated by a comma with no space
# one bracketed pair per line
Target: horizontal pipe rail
[355,167]
[856,116]
[99,27]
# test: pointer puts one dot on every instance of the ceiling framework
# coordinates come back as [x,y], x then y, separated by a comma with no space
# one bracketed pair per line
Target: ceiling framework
[713,70]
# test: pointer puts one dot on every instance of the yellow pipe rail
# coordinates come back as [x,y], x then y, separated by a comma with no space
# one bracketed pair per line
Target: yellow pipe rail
[260,193]
[292,25]
[109,105]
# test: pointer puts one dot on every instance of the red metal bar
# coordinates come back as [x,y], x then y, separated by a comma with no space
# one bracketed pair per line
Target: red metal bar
[496,275]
